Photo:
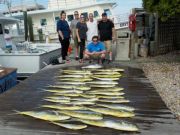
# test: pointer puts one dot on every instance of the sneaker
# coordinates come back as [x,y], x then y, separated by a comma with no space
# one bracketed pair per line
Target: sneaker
[102,61]
[81,61]
[77,58]
[109,61]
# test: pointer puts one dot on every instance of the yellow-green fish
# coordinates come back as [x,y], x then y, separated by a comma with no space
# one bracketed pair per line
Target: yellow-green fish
[115,89]
[76,79]
[103,86]
[111,70]
[102,82]
[72,83]
[64,91]
[107,76]
[112,112]
[73,76]
[114,100]
[109,97]
[80,103]
[58,97]
[76,71]
[106,93]
[87,95]
[63,107]
[57,100]
[106,79]
[80,73]
[123,126]
[45,115]
[106,73]
[70,87]
[117,106]
[84,99]
[70,126]
[67,94]
[83,115]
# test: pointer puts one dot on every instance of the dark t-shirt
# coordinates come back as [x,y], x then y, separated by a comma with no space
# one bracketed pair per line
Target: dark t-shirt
[63,26]
[105,30]
[82,28]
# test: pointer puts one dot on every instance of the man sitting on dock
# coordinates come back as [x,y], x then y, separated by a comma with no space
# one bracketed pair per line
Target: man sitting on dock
[95,50]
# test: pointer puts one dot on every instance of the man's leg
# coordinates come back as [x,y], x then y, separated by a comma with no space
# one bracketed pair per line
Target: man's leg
[108,45]
[76,48]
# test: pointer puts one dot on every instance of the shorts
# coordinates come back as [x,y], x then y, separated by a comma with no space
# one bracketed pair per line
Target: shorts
[108,45]
[99,56]
[75,42]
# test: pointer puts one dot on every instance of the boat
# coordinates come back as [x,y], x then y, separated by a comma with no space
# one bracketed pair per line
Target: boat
[46,18]
[27,57]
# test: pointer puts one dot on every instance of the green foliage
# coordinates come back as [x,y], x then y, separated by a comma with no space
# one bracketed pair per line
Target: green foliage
[164,8]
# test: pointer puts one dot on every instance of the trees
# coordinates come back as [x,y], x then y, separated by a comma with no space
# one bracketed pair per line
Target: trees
[164,8]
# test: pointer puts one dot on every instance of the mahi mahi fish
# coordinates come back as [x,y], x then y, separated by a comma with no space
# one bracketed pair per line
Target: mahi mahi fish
[107,76]
[115,89]
[84,99]
[106,93]
[103,86]
[111,70]
[117,106]
[70,87]
[102,82]
[106,73]
[123,126]
[64,91]
[58,97]
[73,76]
[114,100]
[80,103]
[72,83]
[63,107]
[45,115]
[106,79]
[79,73]
[67,94]
[57,100]
[76,79]
[83,115]
[70,126]
[76,71]
[109,97]
[112,112]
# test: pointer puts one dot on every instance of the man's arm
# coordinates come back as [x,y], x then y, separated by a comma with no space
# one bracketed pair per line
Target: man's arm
[77,32]
[113,32]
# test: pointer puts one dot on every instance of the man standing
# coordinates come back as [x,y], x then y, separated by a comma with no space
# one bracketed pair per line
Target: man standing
[107,33]
[92,28]
[95,50]
[74,36]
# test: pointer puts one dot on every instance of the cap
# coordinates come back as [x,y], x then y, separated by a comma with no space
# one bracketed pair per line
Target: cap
[104,14]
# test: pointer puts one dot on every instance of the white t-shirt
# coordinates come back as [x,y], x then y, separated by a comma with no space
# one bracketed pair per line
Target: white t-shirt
[92,30]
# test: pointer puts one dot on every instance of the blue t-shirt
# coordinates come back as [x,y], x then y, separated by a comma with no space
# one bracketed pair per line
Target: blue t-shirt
[63,26]
[95,47]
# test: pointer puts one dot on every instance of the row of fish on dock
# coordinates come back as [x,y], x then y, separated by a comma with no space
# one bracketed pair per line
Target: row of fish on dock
[86,96]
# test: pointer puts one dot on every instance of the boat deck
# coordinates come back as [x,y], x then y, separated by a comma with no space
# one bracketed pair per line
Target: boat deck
[152,115]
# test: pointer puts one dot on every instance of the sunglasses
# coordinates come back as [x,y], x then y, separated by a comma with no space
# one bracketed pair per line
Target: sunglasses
[76,14]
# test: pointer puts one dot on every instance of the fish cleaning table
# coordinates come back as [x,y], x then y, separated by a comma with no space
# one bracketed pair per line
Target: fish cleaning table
[152,115]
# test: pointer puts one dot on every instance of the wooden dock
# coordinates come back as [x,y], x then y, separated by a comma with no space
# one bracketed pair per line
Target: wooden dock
[152,115]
